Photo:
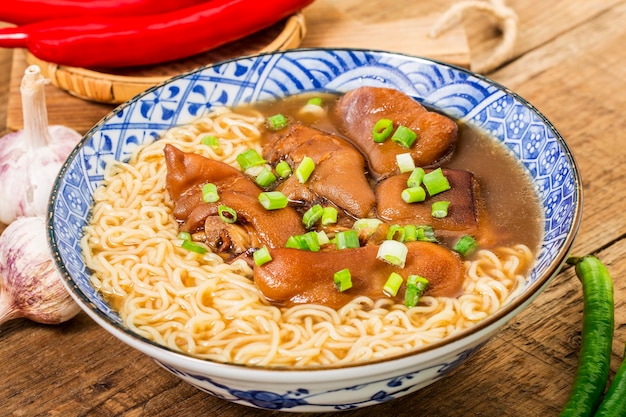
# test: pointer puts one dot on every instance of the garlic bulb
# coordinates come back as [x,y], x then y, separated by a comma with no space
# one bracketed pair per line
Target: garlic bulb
[30,285]
[30,159]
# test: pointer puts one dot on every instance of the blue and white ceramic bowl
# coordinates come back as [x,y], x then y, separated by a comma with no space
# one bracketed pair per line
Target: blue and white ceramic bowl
[453,91]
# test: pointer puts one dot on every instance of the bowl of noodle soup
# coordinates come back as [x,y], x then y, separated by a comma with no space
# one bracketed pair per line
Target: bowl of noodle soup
[118,247]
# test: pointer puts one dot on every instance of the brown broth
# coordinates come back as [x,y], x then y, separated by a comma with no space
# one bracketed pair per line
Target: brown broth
[509,197]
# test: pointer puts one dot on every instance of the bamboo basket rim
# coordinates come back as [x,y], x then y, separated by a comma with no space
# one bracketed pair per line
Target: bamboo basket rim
[102,87]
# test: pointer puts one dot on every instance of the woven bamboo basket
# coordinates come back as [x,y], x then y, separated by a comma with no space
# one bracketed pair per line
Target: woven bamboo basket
[122,85]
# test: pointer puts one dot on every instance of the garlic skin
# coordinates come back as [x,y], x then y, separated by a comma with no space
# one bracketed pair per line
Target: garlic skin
[30,285]
[30,159]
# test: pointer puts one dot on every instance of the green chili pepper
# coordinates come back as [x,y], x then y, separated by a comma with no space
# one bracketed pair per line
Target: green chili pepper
[597,335]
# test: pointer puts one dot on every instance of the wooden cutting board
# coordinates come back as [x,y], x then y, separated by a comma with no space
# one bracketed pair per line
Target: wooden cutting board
[323,24]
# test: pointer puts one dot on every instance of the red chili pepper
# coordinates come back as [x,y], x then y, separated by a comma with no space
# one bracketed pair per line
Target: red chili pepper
[108,42]
[21,12]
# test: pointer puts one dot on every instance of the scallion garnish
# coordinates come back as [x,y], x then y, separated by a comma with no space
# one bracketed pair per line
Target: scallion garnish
[192,246]
[249,158]
[312,215]
[381,130]
[426,234]
[283,169]
[413,194]
[184,236]
[343,279]
[466,245]
[395,232]
[308,241]
[347,239]
[322,238]
[392,285]
[265,178]
[393,252]
[305,169]
[366,227]
[316,101]
[410,233]
[262,256]
[435,182]
[439,209]
[273,200]
[209,193]
[404,136]
[415,287]
[329,216]
[276,122]
[405,162]
[227,214]
[416,177]
[210,140]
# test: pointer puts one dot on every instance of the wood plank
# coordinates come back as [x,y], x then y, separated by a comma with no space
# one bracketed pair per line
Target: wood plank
[568,64]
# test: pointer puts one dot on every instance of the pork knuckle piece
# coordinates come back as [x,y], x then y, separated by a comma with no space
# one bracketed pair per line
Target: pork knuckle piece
[296,276]
[339,175]
[357,112]
[255,226]
[463,212]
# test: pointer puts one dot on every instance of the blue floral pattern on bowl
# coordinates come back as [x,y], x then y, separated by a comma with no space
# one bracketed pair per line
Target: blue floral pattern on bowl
[452,91]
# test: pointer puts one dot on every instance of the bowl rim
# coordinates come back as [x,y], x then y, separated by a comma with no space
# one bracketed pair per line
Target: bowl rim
[505,312]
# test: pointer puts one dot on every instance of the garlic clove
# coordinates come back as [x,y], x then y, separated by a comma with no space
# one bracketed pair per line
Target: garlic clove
[30,285]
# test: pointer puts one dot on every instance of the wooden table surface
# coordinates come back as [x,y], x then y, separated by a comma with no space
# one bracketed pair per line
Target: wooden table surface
[568,61]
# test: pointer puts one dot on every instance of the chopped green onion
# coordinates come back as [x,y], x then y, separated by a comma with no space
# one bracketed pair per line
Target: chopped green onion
[405,162]
[276,122]
[416,177]
[316,101]
[210,140]
[381,130]
[466,245]
[312,215]
[415,287]
[249,158]
[192,246]
[184,236]
[393,252]
[435,182]
[312,241]
[426,234]
[393,283]
[347,239]
[283,169]
[272,200]
[395,232]
[413,194]
[305,169]
[439,209]
[404,136]
[343,279]
[294,242]
[322,238]
[307,241]
[329,216]
[410,233]
[366,227]
[265,178]
[227,214]
[262,256]
[209,193]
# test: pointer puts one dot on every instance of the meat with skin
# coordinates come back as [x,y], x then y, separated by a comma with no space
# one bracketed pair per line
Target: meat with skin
[255,226]
[463,210]
[297,277]
[357,112]
[339,174]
